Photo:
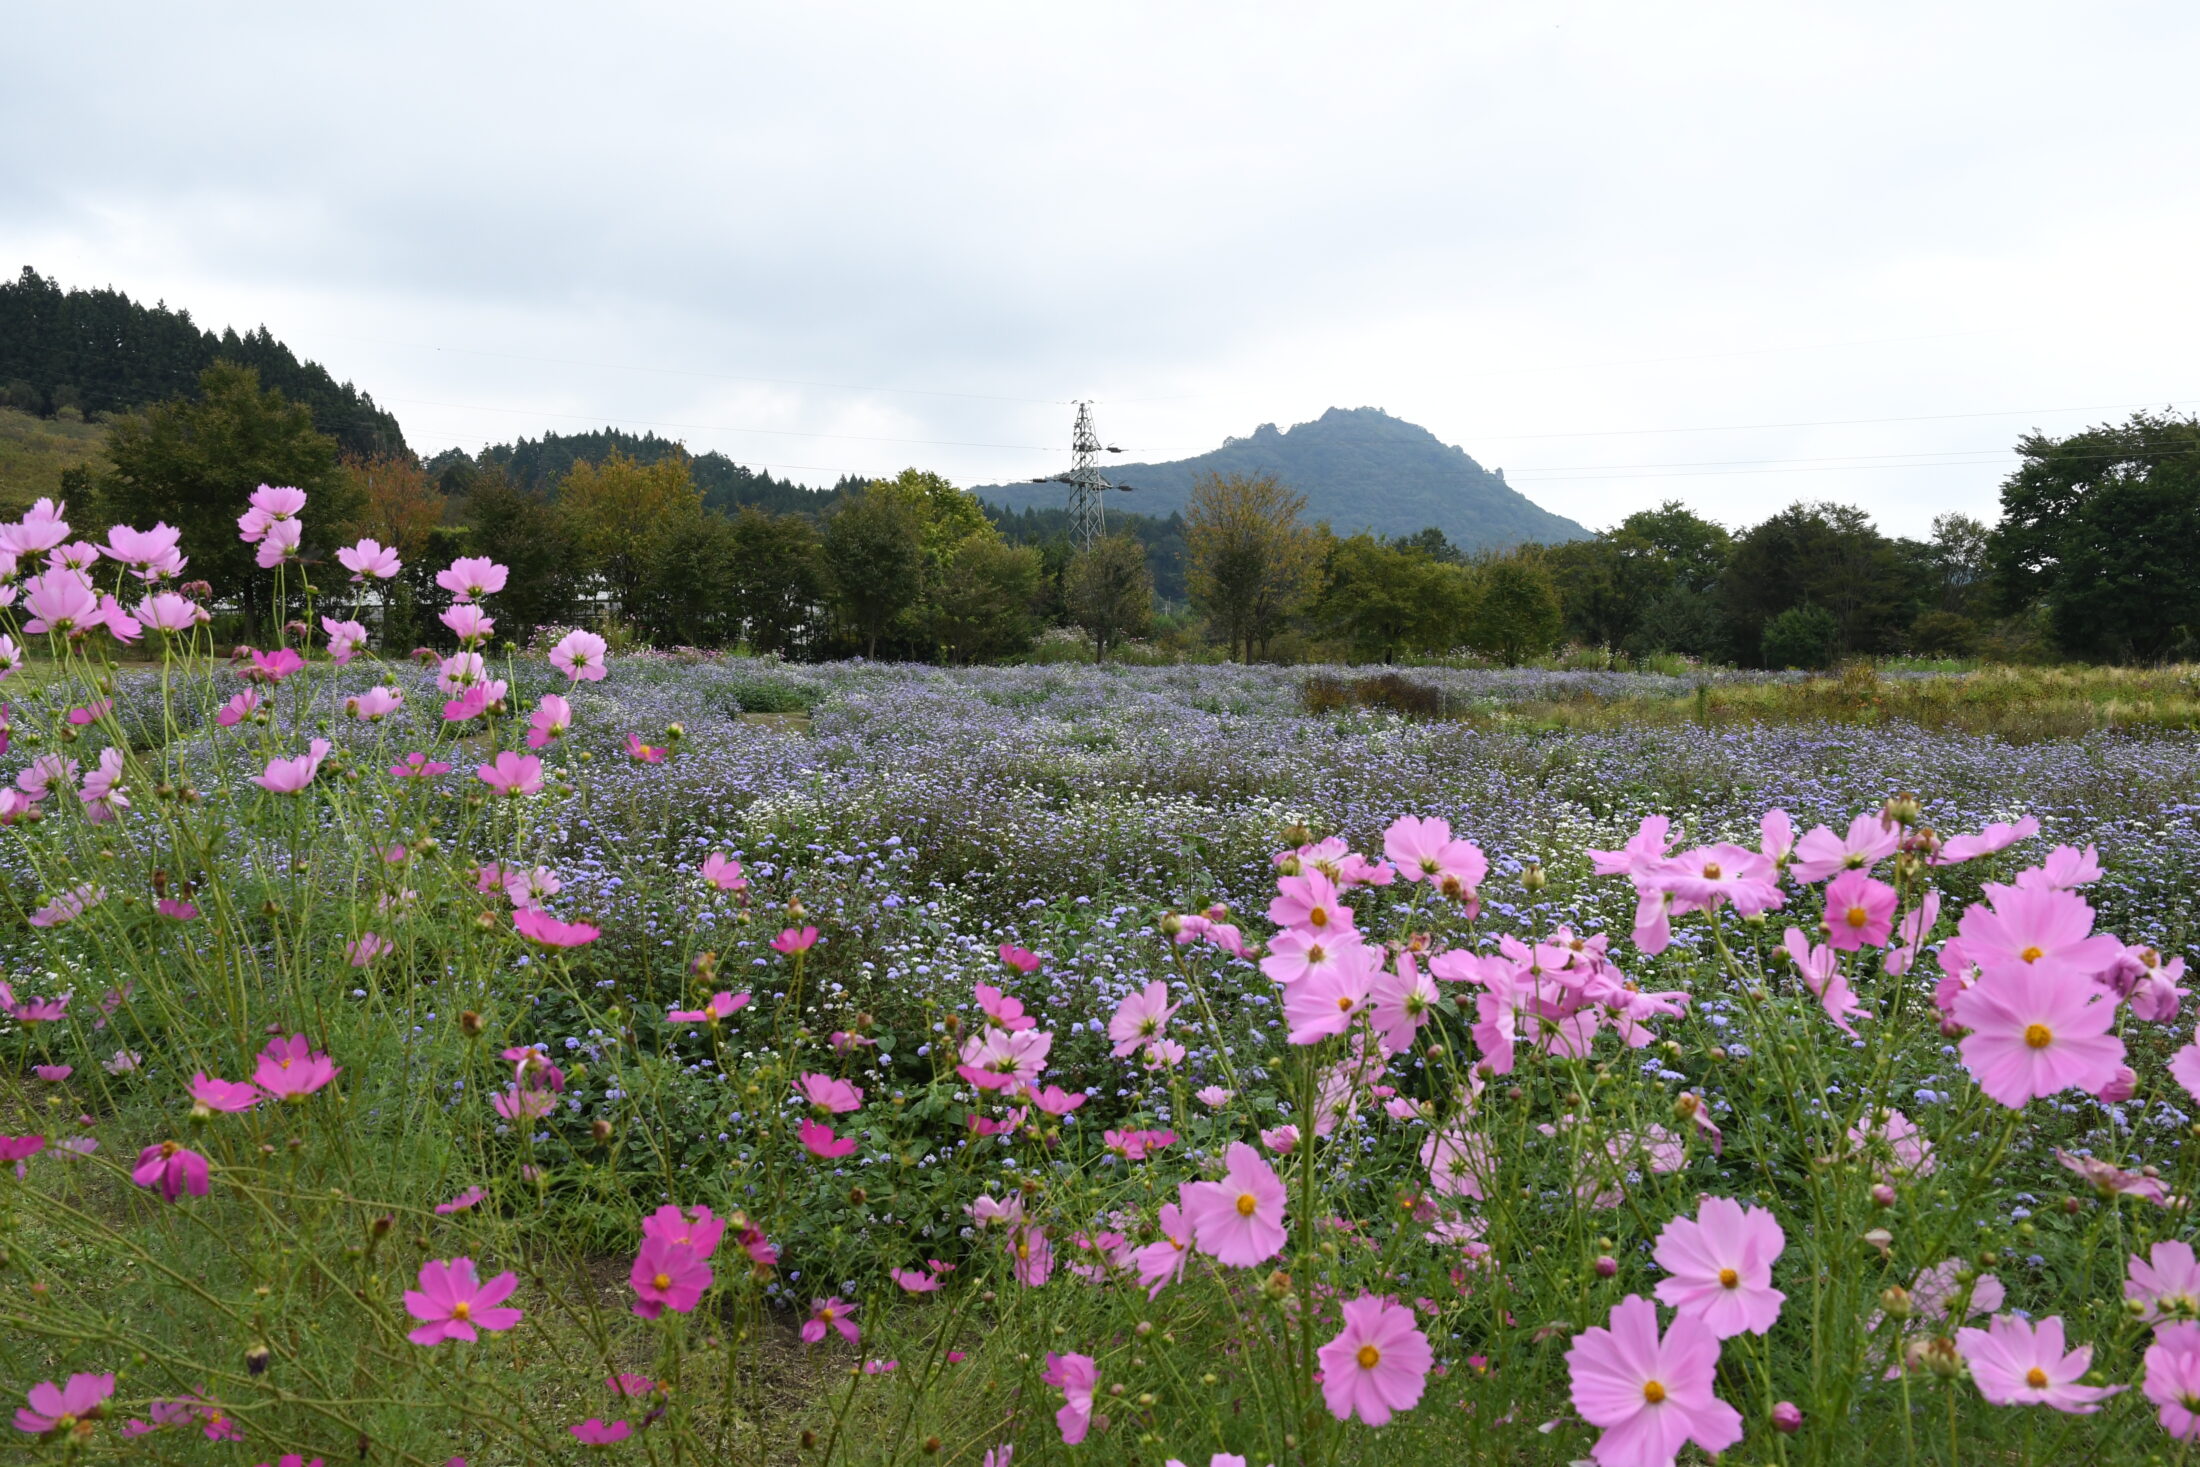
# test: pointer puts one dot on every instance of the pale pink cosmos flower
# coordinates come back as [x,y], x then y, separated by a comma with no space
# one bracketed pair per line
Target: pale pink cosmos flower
[238,708]
[61,603]
[1907,1151]
[459,671]
[1460,1161]
[1240,1219]
[1002,1011]
[914,1281]
[173,1168]
[279,543]
[289,1069]
[455,1304]
[103,796]
[795,940]
[668,1275]
[2065,869]
[2039,929]
[1309,901]
[165,611]
[1033,1254]
[1378,1363]
[42,527]
[551,718]
[44,773]
[2173,1379]
[1721,1266]
[512,774]
[1934,1291]
[1996,837]
[345,638]
[2109,1179]
[67,906]
[2035,1033]
[1214,1097]
[271,504]
[1075,1376]
[580,656]
[1821,853]
[375,704]
[1294,954]
[718,1007]
[837,1097]
[469,623]
[1140,1018]
[2016,1363]
[215,1094]
[1820,969]
[369,558]
[538,926]
[272,666]
[1401,999]
[1776,836]
[471,1197]
[831,1314]
[532,887]
[1652,1396]
[1644,851]
[1725,873]
[1424,850]
[471,577]
[1859,911]
[999,1060]
[2166,1282]
[33,1010]
[1161,1264]
[11,655]
[723,873]
[418,766]
[1325,1004]
[290,776]
[142,550]
[57,1409]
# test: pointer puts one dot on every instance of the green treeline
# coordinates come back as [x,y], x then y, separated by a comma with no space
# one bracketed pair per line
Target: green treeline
[2092,558]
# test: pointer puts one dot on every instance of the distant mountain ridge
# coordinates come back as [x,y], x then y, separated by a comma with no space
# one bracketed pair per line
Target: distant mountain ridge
[1359,468]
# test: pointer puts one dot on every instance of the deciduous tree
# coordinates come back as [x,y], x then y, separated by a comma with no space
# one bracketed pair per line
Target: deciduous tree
[1251,562]
[1109,592]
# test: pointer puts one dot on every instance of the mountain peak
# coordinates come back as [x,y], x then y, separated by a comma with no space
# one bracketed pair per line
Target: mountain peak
[1360,469]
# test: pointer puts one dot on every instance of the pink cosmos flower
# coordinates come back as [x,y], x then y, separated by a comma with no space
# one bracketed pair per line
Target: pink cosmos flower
[141,549]
[103,796]
[215,1094]
[472,576]
[1859,911]
[1293,954]
[2046,931]
[830,1314]
[1996,837]
[999,1060]
[1776,836]
[914,1281]
[2066,868]
[472,702]
[53,1074]
[532,887]
[628,1384]
[817,1138]
[289,1069]
[1214,1097]
[469,623]
[345,638]
[1309,901]
[238,709]
[1075,1376]
[419,766]
[1821,853]
[725,874]
[1652,1396]
[1377,1365]
[593,1432]
[1020,959]
[1460,1162]
[1137,1145]
[98,708]
[645,753]
[836,1096]
[11,655]
[459,671]
[551,718]
[795,940]
[1401,999]
[1325,1004]
[1161,1264]
[19,1149]
[38,1010]
[1721,1267]
[694,1228]
[2017,1363]
[454,1303]
[668,1275]
[290,776]
[1644,851]
[515,1104]
[471,1197]
[274,666]
[2166,1282]
[1910,1151]
[2109,1179]
[62,603]
[512,774]
[719,1006]
[58,1408]
[271,504]
[1002,1011]
[65,907]
[279,543]
[2173,1379]
[580,656]
[1423,850]
[1053,1099]
[173,1168]
[1140,1018]
[2035,1033]
[540,926]
[375,704]
[1238,1220]
[166,612]
[1033,1255]
[369,558]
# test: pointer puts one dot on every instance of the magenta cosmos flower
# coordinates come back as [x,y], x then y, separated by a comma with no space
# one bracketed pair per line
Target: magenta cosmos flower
[551,718]
[1377,1364]
[1238,1220]
[512,774]
[454,1303]
[831,1314]
[290,1070]
[539,926]
[211,1093]
[795,940]
[594,1433]
[172,1167]
[2036,1032]
[723,873]
[1721,1267]
[1140,1018]
[2173,1379]
[580,656]
[1652,1396]
[2020,1364]
[829,1094]
[1075,1376]
[668,1275]
[58,1408]
[817,1138]
[1859,911]
[717,1007]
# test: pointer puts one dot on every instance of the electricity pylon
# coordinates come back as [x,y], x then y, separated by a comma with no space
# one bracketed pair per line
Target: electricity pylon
[1087,512]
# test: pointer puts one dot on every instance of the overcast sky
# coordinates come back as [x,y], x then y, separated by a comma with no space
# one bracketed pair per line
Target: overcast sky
[1737,255]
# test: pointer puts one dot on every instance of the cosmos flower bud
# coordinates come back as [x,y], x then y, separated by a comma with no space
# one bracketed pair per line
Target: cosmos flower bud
[1277,1286]
[1606,1265]
[1296,834]
[1882,1195]
[469,1024]
[1533,878]
[1942,1358]
[1895,1301]
[1171,924]
[1290,866]
[1902,809]
[1787,1418]
[601,1130]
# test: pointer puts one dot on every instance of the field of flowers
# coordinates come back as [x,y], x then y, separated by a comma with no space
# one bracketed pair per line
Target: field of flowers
[533,1059]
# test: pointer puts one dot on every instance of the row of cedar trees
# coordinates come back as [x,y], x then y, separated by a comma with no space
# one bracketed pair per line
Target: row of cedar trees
[2093,557]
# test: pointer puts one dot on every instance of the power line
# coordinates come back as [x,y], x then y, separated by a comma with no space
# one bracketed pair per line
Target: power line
[607,418]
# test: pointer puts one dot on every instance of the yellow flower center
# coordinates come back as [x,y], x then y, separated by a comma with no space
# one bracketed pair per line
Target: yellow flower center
[1246,1204]
[661,1282]
[462,1310]
[1369,1357]
[2031,955]
[2036,1378]
[1315,954]
[1653,1391]
[1729,1279]
[1857,916]
[2038,1036]
[1711,871]
[1344,1003]
[1319,917]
